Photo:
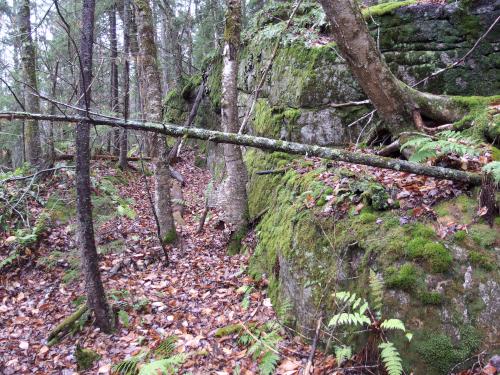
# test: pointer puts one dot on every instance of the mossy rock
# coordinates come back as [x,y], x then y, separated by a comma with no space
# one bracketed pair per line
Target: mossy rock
[299,247]
[85,358]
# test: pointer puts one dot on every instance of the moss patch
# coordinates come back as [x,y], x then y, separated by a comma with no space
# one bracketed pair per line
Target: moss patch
[439,351]
[85,358]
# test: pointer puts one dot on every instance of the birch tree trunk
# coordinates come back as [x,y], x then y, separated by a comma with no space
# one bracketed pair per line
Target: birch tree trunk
[96,298]
[126,83]
[233,195]
[153,109]
[32,141]
[398,105]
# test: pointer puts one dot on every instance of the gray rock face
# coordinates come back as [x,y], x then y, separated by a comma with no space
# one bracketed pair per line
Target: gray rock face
[415,40]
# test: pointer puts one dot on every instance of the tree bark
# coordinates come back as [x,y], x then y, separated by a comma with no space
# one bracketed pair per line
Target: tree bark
[395,102]
[268,144]
[32,141]
[51,157]
[150,69]
[96,298]
[126,83]
[114,104]
[175,47]
[232,192]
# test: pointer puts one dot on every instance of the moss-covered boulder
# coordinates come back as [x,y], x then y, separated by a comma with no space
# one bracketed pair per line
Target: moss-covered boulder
[445,290]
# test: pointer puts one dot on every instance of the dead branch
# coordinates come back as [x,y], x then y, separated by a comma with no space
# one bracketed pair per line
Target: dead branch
[267,144]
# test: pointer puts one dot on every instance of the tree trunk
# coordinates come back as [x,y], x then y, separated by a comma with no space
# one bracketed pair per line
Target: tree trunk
[150,69]
[397,104]
[269,144]
[126,83]
[114,104]
[96,299]
[233,195]
[51,157]
[32,103]
[175,47]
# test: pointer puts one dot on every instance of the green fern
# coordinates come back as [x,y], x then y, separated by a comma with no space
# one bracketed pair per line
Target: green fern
[446,142]
[268,363]
[390,358]
[263,345]
[163,366]
[342,353]
[129,366]
[394,324]
[166,347]
[164,361]
[376,291]
[494,169]
[357,306]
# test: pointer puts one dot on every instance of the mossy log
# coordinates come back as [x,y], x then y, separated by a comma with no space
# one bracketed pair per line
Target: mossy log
[266,144]
[63,327]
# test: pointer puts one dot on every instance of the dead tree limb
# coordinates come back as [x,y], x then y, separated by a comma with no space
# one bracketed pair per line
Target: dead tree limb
[267,144]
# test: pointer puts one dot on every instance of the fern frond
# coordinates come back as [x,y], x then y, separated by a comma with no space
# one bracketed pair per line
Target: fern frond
[163,366]
[268,363]
[342,353]
[166,347]
[129,366]
[390,358]
[393,324]
[494,169]
[376,290]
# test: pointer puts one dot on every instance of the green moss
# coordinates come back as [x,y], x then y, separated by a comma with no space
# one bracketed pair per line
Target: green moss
[234,246]
[170,237]
[437,256]
[403,278]
[478,116]
[440,353]
[483,235]
[367,217]
[385,8]
[85,358]
[430,298]
[423,231]
[460,236]
[228,330]
[482,259]
[415,248]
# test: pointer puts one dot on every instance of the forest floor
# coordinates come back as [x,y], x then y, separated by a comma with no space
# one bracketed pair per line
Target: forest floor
[199,292]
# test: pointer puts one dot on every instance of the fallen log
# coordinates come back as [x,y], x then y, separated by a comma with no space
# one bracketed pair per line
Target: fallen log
[265,144]
[65,326]
[99,157]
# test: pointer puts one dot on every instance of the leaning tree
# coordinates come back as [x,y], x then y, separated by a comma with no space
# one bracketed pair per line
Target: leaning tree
[400,106]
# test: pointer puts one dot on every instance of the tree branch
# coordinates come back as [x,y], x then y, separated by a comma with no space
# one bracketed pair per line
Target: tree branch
[266,144]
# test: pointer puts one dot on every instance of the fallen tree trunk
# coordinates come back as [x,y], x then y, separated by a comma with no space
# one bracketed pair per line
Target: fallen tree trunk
[266,144]
[63,327]
[100,157]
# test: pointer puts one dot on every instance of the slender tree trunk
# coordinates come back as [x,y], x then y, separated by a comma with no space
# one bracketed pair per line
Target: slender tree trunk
[114,104]
[151,71]
[175,47]
[398,105]
[126,82]
[51,157]
[233,196]
[32,103]
[96,298]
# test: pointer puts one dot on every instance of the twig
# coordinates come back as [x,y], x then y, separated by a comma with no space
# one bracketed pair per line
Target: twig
[18,178]
[310,360]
